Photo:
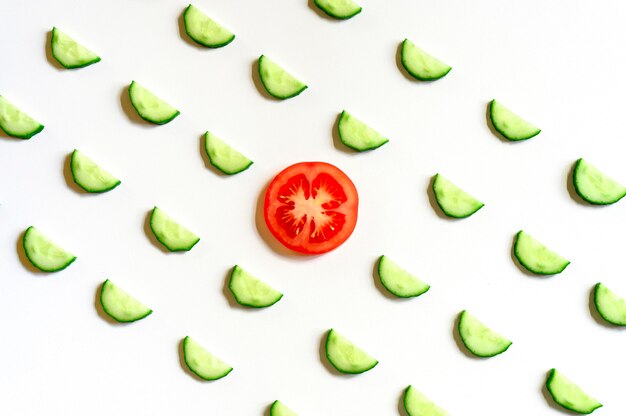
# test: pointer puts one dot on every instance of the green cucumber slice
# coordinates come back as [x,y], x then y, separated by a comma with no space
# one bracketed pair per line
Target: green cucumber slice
[537,258]
[204,30]
[357,135]
[594,186]
[69,53]
[398,281]
[278,82]
[416,404]
[347,357]
[15,122]
[569,395]
[279,409]
[120,306]
[224,157]
[610,306]
[202,363]
[479,339]
[453,201]
[89,176]
[339,9]
[171,234]
[43,253]
[509,124]
[250,291]
[150,107]
[420,64]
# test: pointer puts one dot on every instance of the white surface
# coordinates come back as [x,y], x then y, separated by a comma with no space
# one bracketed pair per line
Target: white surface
[559,66]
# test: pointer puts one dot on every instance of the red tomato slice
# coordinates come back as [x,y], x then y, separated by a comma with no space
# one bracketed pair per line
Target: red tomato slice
[311,207]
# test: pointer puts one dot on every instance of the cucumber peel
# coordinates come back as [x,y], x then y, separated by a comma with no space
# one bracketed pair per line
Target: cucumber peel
[69,53]
[398,281]
[569,395]
[278,82]
[250,291]
[339,9]
[202,363]
[420,65]
[537,258]
[610,306]
[594,186]
[204,30]
[43,253]
[120,306]
[150,107]
[223,157]
[347,357]
[453,201]
[416,404]
[479,339]
[509,124]
[171,234]
[17,123]
[89,176]
[357,135]
[279,409]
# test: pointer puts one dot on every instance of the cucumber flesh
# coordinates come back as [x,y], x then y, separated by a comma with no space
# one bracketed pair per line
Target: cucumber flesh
[202,363]
[120,306]
[416,404]
[204,30]
[250,291]
[43,253]
[278,82]
[357,135]
[509,124]
[610,306]
[339,9]
[594,186]
[537,258]
[420,64]
[15,122]
[171,234]
[150,107]
[89,176]
[69,53]
[398,281]
[347,357]
[569,395]
[224,157]
[279,409]
[479,339]
[453,201]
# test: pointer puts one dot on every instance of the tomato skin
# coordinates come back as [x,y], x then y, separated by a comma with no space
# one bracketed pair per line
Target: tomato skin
[336,211]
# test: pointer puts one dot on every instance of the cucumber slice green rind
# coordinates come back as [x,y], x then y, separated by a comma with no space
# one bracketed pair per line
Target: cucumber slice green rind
[69,53]
[569,395]
[453,201]
[171,234]
[120,306]
[594,186]
[347,357]
[15,122]
[278,82]
[509,124]
[416,404]
[398,281]
[339,9]
[420,64]
[204,30]
[610,306]
[43,253]
[250,291]
[537,258]
[223,157]
[150,107]
[202,363]
[89,176]
[279,409]
[357,135]
[479,339]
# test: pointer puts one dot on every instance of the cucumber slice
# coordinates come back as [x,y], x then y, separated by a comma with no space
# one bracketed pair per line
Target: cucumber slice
[420,64]
[398,281]
[202,363]
[537,258]
[479,339]
[509,124]
[279,409]
[339,9]
[569,395]
[70,53]
[357,135]
[610,306]
[347,357]
[171,234]
[150,107]
[416,404]
[453,201]
[204,30]
[120,306]
[224,157]
[594,186]
[43,253]
[278,82]
[89,176]
[15,122]
[250,291]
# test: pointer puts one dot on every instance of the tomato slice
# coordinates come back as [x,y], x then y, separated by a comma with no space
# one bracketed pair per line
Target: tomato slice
[311,207]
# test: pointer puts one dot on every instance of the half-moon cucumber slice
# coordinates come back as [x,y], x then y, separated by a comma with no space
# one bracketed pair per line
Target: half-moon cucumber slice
[223,157]
[509,124]
[150,107]
[250,291]
[420,64]
[120,306]
[398,281]
[479,339]
[416,404]
[279,409]
[357,135]
[339,9]
[610,306]
[69,53]
[278,82]
[347,357]
[537,258]
[43,253]
[569,395]
[17,123]
[594,186]
[171,234]
[453,201]
[89,176]
[204,30]
[202,363]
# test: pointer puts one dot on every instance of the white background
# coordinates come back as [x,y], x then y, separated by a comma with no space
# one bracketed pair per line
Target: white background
[559,65]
